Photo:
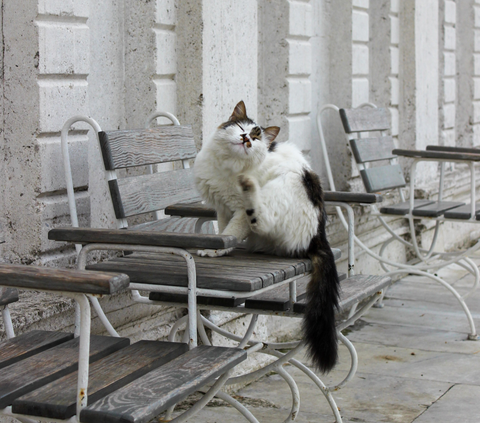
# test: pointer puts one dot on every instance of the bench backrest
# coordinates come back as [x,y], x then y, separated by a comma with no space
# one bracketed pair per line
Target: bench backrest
[377,147]
[144,193]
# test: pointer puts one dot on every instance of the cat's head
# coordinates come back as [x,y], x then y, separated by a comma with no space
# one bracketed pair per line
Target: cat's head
[243,138]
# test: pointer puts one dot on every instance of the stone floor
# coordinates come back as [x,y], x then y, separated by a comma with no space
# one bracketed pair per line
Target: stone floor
[415,365]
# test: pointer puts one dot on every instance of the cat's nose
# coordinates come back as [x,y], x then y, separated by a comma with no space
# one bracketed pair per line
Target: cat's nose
[244,137]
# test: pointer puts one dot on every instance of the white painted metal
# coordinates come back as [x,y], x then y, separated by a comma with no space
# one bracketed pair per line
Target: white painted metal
[7,322]
[430,260]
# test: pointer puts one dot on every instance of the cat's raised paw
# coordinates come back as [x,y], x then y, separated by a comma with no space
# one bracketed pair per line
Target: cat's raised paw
[214,253]
[245,183]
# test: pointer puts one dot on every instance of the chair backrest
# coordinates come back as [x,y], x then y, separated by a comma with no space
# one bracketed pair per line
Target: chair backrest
[144,193]
[377,147]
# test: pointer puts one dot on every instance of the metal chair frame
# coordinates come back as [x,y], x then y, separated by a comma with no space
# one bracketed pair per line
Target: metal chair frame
[428,260]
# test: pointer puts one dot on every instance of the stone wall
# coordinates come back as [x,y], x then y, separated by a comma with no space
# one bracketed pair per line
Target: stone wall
[120,61]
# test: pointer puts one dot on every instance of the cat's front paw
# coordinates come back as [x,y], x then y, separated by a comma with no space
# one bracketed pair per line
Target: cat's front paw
[214,253]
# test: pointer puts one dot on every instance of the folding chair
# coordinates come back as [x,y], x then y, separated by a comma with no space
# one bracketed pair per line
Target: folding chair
[376,158]
[115,381]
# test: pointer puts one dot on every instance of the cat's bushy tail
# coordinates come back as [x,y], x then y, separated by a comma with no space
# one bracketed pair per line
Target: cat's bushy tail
[322,300]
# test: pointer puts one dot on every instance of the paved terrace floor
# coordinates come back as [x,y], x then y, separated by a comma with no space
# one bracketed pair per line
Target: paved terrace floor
[415,365]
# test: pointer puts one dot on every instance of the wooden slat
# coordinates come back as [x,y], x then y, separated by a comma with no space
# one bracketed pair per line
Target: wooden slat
[8,295]
[382,178]
[463,212]
[278,299]
[119,236]
[183,225]
[35,277]
[58,399]
[28,344]
[352,197]
[404,207]
[453,149]
[354,290]
[438,155]
[182,299]
[155,191]
[365,119]
[140,147]
[436,209]
[191,210]
[177,276]
[29,374]
[145,398]
[367,150]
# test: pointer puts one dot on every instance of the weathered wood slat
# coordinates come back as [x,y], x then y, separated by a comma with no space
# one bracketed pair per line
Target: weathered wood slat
[353,290]
[352,197]
[438,155]
[28,344]
[404,207]
[58,399]
[119,236]
[267,276]
[436,209]
[61,279]
[140,147]
[278,299]
[39,369]
[382,178]
[463,212]
[183,225]
[174,275]
[182,299]
[8,295]
[190,210]
[372,149]
[151,192]
[453,149]
[365,119]
[145,398]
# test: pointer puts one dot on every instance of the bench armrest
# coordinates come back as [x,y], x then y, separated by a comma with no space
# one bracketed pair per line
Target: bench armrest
[352,197]
[453,149]
[159,239]
[438,155]
[191,210]
[65,280]
[202,210]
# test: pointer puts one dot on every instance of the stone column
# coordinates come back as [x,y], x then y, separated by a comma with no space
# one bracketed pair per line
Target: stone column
[419,77]
[285,67]
[45,72]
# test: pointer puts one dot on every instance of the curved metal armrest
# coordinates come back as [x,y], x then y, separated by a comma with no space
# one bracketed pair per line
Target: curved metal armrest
[453,149]
[163,239]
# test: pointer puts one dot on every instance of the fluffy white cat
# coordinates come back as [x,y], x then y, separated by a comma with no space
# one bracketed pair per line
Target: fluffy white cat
[266,193]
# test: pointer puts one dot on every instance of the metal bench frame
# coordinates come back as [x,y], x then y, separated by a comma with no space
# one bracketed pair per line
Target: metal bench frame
[194,322]
[429,260]
[78,286]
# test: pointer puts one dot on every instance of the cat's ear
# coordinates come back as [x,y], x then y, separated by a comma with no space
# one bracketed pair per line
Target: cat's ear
[271,132]
[240,112]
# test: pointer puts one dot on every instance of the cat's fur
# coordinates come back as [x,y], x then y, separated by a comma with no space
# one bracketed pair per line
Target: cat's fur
[267,193]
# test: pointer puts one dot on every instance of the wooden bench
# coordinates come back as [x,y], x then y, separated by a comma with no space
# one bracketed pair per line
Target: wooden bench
[165,263]
[135,383]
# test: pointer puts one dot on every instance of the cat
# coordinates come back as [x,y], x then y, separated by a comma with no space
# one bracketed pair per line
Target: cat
[265,192]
